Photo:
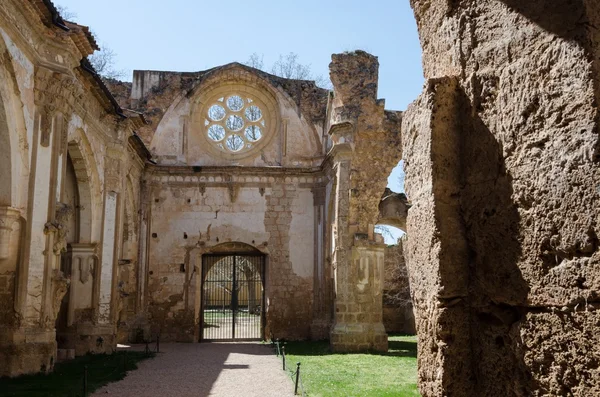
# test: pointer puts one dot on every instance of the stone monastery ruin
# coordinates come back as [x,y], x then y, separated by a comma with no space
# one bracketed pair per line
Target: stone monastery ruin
[231,203]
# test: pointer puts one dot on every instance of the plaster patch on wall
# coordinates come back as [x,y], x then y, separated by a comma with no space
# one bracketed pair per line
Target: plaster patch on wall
[302,234]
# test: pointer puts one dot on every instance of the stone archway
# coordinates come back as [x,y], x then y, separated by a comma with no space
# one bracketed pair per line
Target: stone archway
[84,181]
[80,261]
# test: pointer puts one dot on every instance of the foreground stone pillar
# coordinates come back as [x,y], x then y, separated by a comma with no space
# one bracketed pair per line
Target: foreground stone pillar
[502,169]
[435,249]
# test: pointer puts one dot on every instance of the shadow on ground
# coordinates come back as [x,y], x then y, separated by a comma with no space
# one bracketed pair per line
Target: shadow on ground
[398,346]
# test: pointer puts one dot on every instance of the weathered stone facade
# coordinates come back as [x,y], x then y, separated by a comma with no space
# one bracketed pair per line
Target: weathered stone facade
[68,155]
[502,171]
[280,194]
[103,239]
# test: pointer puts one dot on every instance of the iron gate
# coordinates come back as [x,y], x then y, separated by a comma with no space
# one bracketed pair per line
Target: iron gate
[232,297]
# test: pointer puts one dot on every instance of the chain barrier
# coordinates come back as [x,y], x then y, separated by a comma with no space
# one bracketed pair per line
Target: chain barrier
[279,348]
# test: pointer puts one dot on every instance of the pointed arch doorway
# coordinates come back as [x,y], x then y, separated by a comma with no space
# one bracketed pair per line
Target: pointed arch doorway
[233,296]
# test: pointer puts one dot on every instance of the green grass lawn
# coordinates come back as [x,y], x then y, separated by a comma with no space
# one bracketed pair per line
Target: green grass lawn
[67,378]
[376,374]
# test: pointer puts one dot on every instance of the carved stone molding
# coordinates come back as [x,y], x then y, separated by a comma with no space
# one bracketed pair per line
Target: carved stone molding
[8,217]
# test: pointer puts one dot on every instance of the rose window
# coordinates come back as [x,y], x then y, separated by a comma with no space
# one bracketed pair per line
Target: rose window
[235,123]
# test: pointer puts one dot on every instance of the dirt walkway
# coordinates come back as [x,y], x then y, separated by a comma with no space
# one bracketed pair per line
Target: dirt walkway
[206,369]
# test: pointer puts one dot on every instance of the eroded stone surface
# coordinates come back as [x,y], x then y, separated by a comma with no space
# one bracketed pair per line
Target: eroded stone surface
[506,137]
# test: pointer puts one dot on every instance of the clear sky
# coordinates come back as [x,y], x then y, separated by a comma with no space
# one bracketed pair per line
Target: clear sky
[193,35]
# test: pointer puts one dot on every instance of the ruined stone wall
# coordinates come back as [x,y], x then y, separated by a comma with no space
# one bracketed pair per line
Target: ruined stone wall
[397,305]
[365,142]
[195,212]
[289,138]
[502,172]
[202,193]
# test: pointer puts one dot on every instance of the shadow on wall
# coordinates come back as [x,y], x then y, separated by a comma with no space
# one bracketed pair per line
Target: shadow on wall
[482,288]
[573,20]
[497,290]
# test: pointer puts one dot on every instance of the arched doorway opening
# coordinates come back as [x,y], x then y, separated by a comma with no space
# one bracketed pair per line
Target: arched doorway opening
[398,310]
[232,294]
[79,263]
[70,198]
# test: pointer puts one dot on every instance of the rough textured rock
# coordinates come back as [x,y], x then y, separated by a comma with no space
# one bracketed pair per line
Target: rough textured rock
[397,304]
[502,168]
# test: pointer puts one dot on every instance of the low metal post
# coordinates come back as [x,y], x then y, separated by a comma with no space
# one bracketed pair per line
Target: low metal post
[85,380]
[277,345]
[283,355]
[297,378]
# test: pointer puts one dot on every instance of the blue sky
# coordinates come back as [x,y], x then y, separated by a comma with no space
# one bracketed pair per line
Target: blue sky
[192,35]
[188,35]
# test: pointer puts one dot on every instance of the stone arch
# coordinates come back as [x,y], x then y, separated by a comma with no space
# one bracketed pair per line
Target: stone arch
[233,247]
[88,186]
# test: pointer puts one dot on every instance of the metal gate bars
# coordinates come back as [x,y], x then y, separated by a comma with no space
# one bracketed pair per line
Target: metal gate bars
[232,297]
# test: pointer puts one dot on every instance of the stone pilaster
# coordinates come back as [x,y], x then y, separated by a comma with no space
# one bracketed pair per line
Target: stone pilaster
[319,328]
[78,329]
[357,263]
[8,217]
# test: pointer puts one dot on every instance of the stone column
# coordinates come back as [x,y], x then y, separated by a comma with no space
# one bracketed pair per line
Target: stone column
[40,286]
[357,262]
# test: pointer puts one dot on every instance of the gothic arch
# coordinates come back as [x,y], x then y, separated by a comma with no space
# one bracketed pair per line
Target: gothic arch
[88,185]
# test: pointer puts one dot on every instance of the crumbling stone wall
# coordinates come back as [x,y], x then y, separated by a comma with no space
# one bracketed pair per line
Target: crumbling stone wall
[502,171]
[365,142]
[270,210]
[397,305]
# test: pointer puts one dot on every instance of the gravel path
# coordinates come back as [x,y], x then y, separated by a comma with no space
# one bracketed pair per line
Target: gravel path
[206,369]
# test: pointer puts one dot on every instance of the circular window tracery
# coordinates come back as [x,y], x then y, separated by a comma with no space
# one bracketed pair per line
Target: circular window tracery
[235,123]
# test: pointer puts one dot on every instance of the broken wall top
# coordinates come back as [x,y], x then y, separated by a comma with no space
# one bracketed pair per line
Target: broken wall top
[284,129]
